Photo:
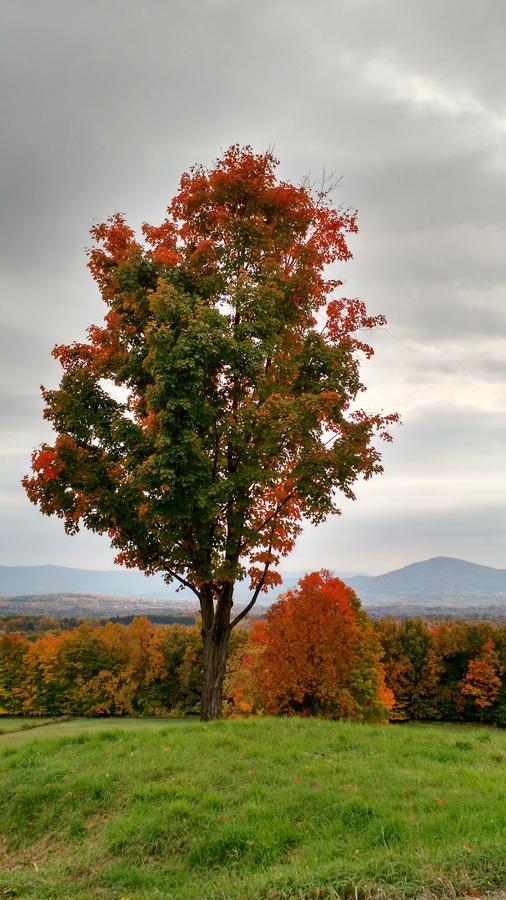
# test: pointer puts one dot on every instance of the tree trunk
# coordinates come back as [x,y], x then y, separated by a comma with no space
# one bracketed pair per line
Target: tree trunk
[215,662]
[215,637]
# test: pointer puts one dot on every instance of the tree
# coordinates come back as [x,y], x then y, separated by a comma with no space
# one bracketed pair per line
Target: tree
[483,681]
[316,653]
[239,372]
[411,668]
[13,650]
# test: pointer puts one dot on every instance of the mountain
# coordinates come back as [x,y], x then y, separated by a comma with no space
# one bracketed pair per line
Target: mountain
[65,592]
[439,578]
[440,585]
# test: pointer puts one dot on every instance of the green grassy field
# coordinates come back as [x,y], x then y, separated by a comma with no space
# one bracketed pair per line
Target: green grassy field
[251,809]
[8,725]
[21,730]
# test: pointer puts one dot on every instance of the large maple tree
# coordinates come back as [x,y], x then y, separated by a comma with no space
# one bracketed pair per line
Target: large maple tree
[239,372]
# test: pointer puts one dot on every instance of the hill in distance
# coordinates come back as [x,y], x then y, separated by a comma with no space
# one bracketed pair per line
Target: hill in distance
[17,581]
[439,575]
[443,585]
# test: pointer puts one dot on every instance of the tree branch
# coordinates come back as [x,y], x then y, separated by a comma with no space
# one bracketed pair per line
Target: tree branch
[253,600]
[257,590]
[275,512]
[184,582]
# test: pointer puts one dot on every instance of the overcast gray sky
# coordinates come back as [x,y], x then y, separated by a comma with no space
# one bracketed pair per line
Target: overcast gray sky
[105,102]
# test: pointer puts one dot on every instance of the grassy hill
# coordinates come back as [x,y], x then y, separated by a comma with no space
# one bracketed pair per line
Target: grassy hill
[251,809]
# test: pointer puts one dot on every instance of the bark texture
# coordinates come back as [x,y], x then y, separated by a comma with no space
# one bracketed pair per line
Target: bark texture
[216,630]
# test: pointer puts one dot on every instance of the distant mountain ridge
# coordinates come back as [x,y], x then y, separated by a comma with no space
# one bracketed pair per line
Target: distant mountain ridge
[17,581]
[440,581]
[437,576]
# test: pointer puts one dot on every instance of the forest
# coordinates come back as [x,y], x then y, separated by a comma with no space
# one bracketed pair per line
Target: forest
[324,658]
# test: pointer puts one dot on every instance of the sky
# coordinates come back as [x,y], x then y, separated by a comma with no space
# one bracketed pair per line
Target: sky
[105,103]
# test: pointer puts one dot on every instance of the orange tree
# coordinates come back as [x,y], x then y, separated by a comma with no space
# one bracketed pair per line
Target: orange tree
[316,653]
[239,371]
[483,679]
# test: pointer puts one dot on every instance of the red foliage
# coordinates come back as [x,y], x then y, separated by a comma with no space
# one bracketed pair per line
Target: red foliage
[46,463]
[316,653]
[116,242]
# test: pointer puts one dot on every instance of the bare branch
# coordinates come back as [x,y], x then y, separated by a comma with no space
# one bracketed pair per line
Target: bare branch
[258,588]
[184,582]
[253,600]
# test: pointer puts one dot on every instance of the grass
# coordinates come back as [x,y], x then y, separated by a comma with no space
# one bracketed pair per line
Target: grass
[7,725]
[19,730]
[251,809]
[17,723]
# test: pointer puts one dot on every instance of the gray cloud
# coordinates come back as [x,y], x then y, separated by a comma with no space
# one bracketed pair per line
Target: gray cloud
[105,103]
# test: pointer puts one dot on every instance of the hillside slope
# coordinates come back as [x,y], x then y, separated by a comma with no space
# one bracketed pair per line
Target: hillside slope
[251,809]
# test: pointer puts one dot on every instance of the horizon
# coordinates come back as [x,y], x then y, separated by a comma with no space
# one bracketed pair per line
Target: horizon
[282,570]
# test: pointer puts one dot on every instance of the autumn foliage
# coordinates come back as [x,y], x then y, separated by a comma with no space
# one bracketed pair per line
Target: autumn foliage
[316,653]
[285,664]
[238,364]
[446,672]
[108,670]
[483,680]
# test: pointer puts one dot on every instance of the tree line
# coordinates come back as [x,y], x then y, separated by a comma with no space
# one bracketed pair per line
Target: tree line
[34,624]
[316,653]
[446,672]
